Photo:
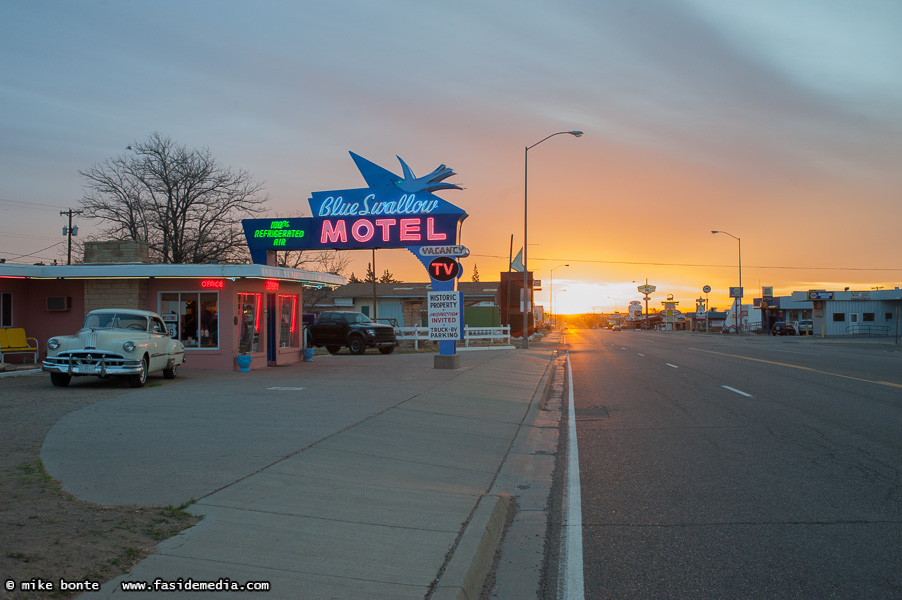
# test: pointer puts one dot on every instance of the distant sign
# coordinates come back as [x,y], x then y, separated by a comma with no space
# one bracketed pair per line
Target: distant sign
[445,316]
[735,292]
[537,285]
[819,295]
[707,289]
[646,289]
[767,291]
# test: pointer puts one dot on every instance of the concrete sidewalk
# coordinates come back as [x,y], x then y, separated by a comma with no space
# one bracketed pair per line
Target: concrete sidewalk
[406,503]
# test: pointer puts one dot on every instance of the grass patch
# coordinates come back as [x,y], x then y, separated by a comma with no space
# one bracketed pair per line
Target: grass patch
[33,471]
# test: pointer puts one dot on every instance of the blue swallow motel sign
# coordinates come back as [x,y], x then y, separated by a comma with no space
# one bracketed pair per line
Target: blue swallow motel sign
[391,212]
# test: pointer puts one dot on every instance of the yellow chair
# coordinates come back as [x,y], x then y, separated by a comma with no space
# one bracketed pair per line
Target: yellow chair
[14,341]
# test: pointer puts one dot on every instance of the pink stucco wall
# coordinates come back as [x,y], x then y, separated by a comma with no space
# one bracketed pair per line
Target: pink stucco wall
[30,312]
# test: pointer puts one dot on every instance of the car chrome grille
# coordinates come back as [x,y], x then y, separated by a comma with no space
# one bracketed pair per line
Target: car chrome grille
[87,357]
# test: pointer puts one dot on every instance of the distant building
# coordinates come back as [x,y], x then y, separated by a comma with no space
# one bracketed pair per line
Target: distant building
[866,312]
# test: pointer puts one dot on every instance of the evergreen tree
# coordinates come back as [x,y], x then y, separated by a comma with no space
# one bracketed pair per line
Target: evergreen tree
[388,278]
[475,273]
[370,275]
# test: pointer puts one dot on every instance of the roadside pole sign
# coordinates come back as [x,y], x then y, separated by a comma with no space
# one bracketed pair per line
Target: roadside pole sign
[446,319]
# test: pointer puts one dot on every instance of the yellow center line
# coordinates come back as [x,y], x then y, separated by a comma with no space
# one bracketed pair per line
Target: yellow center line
[779,364]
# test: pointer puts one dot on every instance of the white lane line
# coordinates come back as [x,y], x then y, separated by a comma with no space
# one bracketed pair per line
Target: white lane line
[740,392]
[574,585]
[640,354]
[670,365]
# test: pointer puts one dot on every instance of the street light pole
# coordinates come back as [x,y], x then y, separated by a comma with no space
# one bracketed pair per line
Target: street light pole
[551,295]
[739,299]
[526,295]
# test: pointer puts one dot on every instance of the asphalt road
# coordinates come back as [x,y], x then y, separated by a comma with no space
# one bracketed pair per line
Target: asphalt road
[738,467]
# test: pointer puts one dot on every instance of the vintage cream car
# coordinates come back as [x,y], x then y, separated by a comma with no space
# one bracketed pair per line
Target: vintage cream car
[115,341]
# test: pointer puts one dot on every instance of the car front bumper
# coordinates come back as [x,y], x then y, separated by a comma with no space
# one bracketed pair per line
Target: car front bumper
[101,366]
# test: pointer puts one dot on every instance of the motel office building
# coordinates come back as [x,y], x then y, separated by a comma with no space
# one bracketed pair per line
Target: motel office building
[218,311]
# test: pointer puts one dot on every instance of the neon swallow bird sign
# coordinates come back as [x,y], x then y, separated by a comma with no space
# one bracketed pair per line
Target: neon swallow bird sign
[393,212]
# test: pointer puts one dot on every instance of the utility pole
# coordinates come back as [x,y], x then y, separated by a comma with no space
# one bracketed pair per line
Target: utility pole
[69,231]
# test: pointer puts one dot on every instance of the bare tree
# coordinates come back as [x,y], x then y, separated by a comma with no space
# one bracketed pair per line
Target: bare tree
[183,203]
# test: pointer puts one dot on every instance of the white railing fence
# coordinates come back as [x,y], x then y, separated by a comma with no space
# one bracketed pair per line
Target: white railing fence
[490,334]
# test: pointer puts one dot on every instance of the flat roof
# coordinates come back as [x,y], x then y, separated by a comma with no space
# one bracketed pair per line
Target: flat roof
[148,271]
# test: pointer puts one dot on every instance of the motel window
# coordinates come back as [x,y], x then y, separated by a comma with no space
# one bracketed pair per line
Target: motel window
[888,316]
[288,322]
[249,307]
[869,317]
[6,309]
[192,317]
[839,317]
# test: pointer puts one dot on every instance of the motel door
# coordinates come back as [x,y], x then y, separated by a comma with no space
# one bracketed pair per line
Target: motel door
[271,321]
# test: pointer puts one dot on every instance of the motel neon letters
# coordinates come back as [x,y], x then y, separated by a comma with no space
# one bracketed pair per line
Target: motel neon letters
[404,230]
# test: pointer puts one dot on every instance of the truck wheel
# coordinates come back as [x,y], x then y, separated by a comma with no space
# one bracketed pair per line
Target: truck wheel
[356,345]
[60,379]
[386,349]
[333,349]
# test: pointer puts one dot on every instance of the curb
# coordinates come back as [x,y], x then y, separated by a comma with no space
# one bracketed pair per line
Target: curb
[473,556]
[16,373]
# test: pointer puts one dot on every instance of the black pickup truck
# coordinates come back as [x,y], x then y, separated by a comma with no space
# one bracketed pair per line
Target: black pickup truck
[352,329]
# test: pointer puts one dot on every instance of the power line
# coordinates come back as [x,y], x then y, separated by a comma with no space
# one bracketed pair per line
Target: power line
[664,264]
[34,205]
[15,256]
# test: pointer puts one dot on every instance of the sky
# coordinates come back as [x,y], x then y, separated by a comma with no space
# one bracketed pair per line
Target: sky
[777,121]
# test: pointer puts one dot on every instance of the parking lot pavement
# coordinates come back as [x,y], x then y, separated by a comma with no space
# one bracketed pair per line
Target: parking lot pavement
[351,476]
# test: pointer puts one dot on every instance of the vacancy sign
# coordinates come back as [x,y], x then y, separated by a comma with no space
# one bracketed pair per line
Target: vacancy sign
[446,319]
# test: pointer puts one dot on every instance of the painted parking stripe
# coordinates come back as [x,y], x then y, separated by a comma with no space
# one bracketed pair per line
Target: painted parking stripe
[740,392]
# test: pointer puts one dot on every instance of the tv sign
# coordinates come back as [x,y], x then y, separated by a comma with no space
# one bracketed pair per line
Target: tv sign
[444,268]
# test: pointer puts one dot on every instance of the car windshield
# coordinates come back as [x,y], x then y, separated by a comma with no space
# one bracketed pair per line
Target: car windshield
[358,318]
[113,320]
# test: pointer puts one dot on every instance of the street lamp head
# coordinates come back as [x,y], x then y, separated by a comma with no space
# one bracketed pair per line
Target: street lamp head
[575,133]
[712,231]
